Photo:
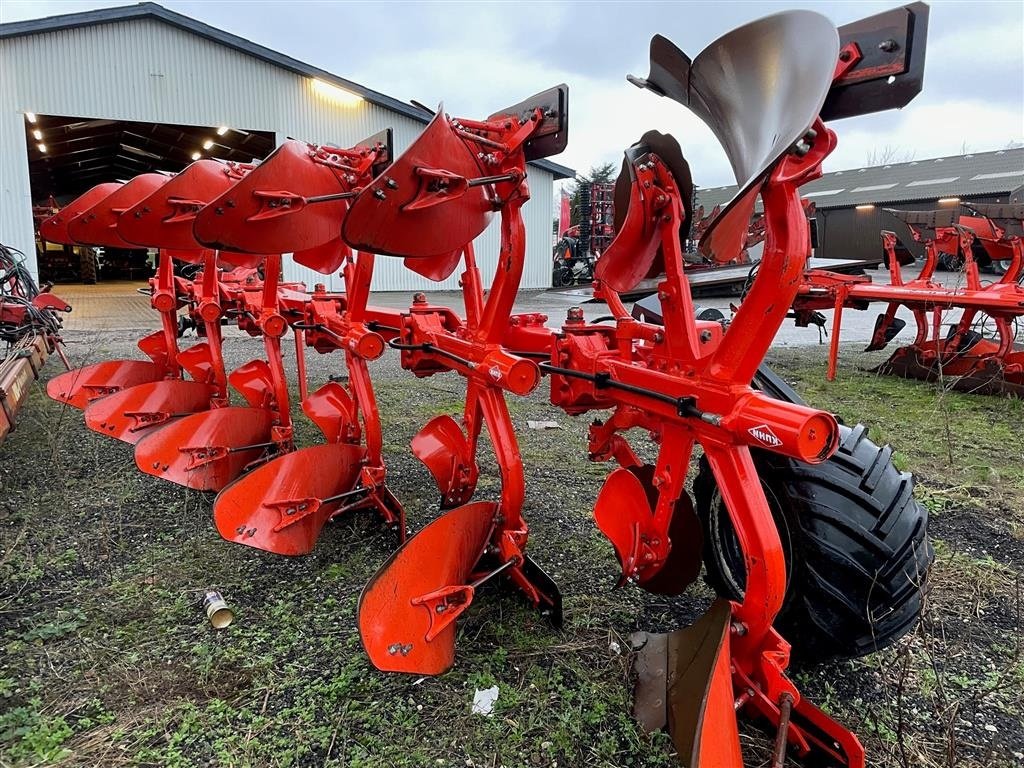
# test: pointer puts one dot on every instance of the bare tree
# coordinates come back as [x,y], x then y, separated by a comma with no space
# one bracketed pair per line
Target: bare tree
[888,155]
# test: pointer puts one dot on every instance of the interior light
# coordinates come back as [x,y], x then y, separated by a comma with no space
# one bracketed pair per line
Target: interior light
[42,148]
[336,94]
[208,143]
[30,116]
[222,130]
[866,207]
[196,155]
[949,200]
[38,134]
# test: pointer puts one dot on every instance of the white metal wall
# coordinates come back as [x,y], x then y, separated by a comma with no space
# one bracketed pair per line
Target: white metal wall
[149,71]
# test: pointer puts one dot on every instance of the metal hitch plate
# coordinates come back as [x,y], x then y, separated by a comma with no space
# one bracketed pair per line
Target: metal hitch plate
[81,386]
[132,413]
[281,506]
[891,72]
[394,628]
[552,136]
[206,451]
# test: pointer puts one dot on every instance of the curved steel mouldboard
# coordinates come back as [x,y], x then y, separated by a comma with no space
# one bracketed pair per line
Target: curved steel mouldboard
[759,88]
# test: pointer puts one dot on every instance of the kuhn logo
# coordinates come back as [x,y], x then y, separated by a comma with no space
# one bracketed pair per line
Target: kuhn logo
[763,434]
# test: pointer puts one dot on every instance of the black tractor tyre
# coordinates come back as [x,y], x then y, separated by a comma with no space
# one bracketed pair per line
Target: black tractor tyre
[564,278]
[87,271]
[854,538]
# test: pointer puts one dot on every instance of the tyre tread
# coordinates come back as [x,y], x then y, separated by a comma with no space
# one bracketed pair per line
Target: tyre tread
[861,552]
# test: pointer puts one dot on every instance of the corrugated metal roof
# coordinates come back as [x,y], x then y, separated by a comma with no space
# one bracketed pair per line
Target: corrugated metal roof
[981,173]
[154,11]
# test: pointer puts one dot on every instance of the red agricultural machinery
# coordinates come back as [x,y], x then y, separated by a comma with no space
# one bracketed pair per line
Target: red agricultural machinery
[806,530]
[30,326]
[965,334]
[186,430]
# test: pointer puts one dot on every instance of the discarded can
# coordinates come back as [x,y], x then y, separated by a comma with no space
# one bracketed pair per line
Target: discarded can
[217,610]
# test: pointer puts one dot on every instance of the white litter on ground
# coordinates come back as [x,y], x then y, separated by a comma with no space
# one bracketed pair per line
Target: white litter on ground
[483,700]
[543,424]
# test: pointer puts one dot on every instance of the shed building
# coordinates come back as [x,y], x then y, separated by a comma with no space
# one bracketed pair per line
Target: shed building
[850,204]
[107,94]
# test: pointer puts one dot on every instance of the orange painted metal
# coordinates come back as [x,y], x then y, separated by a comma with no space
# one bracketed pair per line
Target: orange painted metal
[81,386]
[971,363]
[446,452]
[429,204]
[407,611]
[98,225]
[281,505]
[55,228]
[205,451]
[426,189]
[132,413]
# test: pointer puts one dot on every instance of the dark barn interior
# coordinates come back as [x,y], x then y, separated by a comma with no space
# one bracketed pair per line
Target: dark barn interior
[68,155]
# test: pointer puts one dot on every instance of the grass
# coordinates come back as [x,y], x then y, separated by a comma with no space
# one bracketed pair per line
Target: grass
[108,659]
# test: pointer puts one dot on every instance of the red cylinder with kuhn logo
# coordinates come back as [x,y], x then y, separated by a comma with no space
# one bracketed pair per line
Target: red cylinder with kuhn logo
[787,428]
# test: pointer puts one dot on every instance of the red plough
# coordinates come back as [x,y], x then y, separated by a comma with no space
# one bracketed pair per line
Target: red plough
[439,195]
[685,383]
[164,220]
[979,351]
[294,201]
[91,220]
[208,448]
[805,560]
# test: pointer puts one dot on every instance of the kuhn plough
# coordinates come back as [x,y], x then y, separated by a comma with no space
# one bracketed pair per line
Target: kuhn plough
[804,525]
[186,430]
[965,334]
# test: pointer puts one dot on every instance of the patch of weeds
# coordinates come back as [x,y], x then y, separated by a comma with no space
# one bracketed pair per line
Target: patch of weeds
[64,623]
[29,734]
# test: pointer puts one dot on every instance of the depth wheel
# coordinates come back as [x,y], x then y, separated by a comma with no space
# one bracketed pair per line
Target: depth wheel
[855,542]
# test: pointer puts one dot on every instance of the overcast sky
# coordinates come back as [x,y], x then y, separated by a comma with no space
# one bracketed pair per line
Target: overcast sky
[481,56]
